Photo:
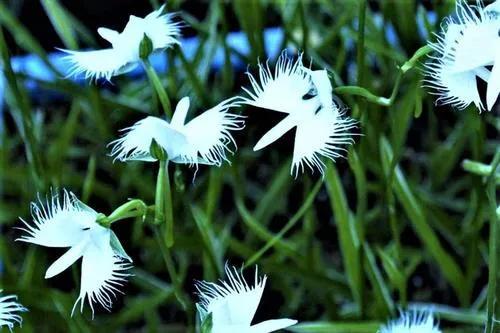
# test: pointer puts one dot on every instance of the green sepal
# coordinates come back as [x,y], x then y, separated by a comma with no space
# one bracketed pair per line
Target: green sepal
[117,247]
[145,47]
[157,152]
[206,322]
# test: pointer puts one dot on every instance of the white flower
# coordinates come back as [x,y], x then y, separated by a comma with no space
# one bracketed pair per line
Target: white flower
[123,56]
[413,321]
[70,223]
[467,44]
[233,304]
[204,139]
[9,310]
[306,96]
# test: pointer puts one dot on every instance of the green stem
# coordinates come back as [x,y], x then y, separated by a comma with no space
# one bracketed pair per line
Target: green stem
[380,100]
[360,56]
[493,247]
[163,202]
[169,263]
[481,169]
[158,87]
[133,208]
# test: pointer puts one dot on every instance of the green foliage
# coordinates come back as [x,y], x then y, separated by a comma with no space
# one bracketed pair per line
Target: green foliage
[400,222]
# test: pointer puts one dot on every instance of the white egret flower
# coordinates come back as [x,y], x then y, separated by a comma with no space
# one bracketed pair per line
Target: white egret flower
[413,321]
[204,139]
[233,303]
[67,222]
[306,96]
[466,45]
[123,56]
[9,311]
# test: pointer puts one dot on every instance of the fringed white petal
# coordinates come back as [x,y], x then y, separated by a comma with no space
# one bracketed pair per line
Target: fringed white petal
[9,311]
[466,44]
[59,222]
[413,321]
[323,134]
[161,29]
[232,302]
[102,272]
[209,135]
[100,64]
[284,90]
[458,89]
[272,325]
[136,142]
[479,30]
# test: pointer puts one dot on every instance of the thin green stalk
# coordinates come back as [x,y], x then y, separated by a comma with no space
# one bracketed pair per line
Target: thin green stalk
[158,87]
[169,263]
[163,202]
[493,247]
[360,52]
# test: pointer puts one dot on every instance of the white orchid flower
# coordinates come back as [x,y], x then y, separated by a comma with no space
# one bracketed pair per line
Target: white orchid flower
[306,96]
[467,44]
[204,139]
[413,321]
[67,222]
[233,303]
[9,311]
[123,56]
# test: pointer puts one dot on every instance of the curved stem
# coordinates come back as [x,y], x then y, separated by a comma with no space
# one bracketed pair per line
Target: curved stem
[133,208]
[158,87]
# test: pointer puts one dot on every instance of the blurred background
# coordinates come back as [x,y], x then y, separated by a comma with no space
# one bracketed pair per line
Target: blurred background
[398,222]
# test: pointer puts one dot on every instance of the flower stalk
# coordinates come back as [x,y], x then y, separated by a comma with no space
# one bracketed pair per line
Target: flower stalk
[133,208]
[163,202]
[155,82]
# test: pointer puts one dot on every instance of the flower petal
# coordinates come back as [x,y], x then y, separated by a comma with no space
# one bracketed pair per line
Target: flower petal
[9,310]
[232,303]
[277,131]
[283,91]
[97,64]
[66,260]
[102,272]
[58,223]
[493,84]
[412,321]
[272,325]
[108,34]
[321,134]
[179,116]
[135,143]
[161,29]
[208,135]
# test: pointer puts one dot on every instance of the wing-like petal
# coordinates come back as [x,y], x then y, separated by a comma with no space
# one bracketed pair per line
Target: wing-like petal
[283,91]
[208,135]
[102,271]
[9,311]
[161,29]
[181,110]
[321,134]
[412,321]
[66,260]
[277,131]
[58,223]
[135,143]
[98,64]
[232,303]
[272,325]
[493,84]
